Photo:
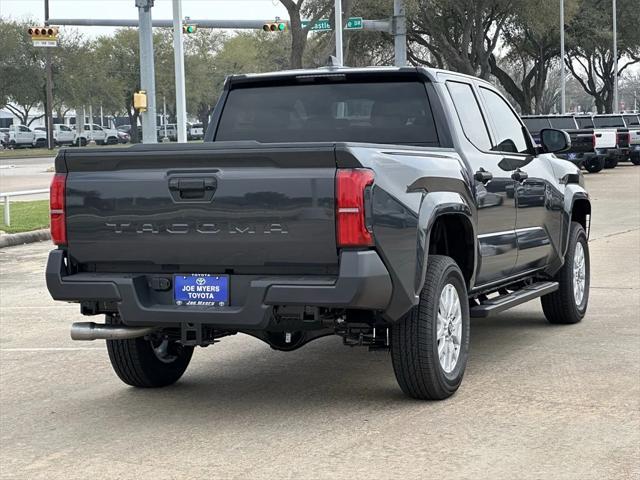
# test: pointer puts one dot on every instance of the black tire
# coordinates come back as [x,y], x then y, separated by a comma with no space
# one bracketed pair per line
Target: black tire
[611,162]
[414,338]
[136,363]
[560,307]
[635,159]
[594,165]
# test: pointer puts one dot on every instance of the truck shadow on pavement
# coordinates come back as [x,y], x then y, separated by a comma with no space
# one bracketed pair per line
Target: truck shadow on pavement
[320,375]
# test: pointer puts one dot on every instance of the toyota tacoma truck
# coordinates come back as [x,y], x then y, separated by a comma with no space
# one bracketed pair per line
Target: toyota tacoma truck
[387,206]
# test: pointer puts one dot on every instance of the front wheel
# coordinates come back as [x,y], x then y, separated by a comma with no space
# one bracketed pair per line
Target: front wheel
[635,159]
[568,304]
[139,362]
[430,344]
[611,162]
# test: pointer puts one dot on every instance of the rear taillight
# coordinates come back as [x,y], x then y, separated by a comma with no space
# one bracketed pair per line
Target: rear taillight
[351,224]
[57,209]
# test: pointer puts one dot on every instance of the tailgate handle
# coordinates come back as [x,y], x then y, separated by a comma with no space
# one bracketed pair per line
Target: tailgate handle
[185,189]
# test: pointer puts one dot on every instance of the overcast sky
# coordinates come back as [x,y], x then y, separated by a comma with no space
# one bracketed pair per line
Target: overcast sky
[125,9]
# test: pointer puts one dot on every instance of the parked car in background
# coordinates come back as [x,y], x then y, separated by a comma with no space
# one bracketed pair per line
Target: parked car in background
[582,152]
[170,130]
[40,140]
[615,121]
[101,135]
[21,136]
[62,134]
[632,121]
[123,137]
[606,139]
[195,131]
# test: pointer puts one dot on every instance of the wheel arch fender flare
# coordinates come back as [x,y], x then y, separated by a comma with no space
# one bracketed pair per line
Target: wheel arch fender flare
[436,205]
[575,197]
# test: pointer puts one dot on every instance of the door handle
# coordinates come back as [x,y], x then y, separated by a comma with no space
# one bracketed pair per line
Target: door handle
[520,176]
[483,176]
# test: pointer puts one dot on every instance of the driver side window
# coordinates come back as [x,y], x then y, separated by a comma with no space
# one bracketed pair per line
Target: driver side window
[508,129]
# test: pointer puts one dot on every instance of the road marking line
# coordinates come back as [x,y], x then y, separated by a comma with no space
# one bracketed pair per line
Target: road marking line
[50,349]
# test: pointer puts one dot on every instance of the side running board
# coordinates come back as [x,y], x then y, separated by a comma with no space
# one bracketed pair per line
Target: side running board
[505,302]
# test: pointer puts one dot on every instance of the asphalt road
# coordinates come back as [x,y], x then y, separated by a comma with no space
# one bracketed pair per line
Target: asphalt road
[537,402]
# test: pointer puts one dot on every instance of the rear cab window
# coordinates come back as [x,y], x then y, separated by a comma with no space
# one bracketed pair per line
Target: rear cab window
[614,121]
[371,111]
[535,124]
[563,123]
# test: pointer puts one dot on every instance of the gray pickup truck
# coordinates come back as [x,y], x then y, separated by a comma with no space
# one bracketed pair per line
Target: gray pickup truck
[383,205]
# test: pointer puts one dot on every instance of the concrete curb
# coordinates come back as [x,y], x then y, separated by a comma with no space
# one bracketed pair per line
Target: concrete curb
[13,239]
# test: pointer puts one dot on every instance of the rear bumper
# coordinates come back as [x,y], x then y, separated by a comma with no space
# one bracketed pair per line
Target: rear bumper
[363,282]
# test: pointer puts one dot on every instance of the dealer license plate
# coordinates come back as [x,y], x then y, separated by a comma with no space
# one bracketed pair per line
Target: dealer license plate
[201,289]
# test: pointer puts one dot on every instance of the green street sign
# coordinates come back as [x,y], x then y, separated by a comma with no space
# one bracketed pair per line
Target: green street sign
[354,23]
[324,24]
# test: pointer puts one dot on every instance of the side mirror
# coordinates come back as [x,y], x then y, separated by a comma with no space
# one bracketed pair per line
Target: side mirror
[554,141]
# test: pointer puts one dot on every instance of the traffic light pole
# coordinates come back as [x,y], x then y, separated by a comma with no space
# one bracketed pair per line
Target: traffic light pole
[147,74]
[178,56]
[49,86]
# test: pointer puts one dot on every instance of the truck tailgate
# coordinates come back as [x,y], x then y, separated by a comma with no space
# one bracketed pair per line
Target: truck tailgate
[264,209]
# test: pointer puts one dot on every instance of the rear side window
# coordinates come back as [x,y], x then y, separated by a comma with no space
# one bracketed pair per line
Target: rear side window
[373,112]
[509,135]
[632,120]
[469,114]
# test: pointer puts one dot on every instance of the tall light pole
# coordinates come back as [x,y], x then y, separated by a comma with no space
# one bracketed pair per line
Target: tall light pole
[178,57]
[147,73]
[563,84]
[338,29]
[615,60]
[399,33]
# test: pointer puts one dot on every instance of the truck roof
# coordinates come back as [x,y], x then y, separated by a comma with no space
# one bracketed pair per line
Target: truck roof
[433,74]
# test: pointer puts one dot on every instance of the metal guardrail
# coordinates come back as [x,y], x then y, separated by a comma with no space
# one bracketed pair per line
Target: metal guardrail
[7,202]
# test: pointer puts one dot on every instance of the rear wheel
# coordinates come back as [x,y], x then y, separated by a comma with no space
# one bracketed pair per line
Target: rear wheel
[430,344]
[635,159]
[594,165]
[148,363]
[569,303]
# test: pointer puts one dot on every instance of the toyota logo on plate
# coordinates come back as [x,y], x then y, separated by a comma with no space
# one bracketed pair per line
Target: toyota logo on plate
[201,281]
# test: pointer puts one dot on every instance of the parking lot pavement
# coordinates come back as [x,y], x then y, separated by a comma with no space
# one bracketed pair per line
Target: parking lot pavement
[537,402]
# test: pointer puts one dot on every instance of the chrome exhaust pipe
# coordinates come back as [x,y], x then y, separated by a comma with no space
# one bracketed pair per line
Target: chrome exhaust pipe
[96,331]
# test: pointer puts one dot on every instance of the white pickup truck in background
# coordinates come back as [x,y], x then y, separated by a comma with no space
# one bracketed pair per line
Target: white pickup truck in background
[21,136]
[62,135]
[632,120]
[606,140]
[101,135]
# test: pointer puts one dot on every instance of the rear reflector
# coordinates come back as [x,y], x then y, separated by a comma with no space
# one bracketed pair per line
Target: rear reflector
[57,209]
[351,227]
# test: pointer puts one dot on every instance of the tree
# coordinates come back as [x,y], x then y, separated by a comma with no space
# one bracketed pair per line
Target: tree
[457,34]
[590,54]
[315,9]
[531,39]
[22,74]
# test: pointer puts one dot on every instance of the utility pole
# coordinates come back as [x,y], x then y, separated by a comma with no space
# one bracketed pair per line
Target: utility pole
[563,85]
[616,105]
[338,28]
[399,33]
[147,74]
[49,87]
[178,56]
